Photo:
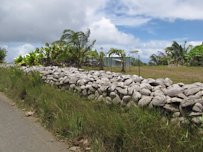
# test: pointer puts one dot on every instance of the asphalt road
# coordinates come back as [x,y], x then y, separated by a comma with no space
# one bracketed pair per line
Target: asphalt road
[22,134]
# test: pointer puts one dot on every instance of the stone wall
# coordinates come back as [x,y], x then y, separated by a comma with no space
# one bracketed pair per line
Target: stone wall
[184,102]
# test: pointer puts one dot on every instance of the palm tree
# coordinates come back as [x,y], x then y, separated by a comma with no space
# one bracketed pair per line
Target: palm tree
[121,54]
[154,60]
[101,60]
[79,42]
[177,52]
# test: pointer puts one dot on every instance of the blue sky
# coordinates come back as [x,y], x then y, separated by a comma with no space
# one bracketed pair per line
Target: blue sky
[147,26]
[166,30]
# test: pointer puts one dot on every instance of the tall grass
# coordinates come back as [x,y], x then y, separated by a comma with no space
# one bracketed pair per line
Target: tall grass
[107,127]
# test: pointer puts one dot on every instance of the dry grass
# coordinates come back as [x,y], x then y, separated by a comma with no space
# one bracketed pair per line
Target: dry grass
[177,74]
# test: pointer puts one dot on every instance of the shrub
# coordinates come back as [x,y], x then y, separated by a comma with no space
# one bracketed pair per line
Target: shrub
[2,54]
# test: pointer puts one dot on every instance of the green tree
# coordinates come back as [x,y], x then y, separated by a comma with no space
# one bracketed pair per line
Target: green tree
[101,60]
[2,54]
[177,53]
[79,43]
[121,54]
[195,56]
[160,59]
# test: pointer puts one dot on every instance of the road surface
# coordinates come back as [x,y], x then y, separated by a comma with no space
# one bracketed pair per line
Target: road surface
[22,134]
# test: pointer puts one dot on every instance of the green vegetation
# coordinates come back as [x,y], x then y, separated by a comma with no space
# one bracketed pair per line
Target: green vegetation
[177,54]
[107,127]
[72,48]
[2,54]
[195,56]
[121,54]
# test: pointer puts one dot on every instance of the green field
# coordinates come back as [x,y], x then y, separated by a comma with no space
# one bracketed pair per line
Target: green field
[177,74]
[108,128]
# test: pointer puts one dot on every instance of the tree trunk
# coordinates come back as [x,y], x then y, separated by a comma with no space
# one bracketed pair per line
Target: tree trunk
[123,66]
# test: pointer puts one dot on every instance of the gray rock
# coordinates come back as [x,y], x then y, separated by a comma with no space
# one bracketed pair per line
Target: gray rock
[197,107]
[144,101]
[91,97]
[191,91]
[146,86]
[188,103]
[168,82]
[192,114]
[182,96]
[128,82]
[145,92]
[176,100]
[159,100]
[136,96]
[176,114]
[113,95]
[170,108]
[73,80]
[122,91]
[126,99]
[100,98]
[197,120]
[130,90]
[131,104]
[84,92]
[174,91]
[200,93]
[108,100]
[116,100]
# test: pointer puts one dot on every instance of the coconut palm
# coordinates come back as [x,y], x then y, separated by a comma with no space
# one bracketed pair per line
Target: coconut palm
[79,42]
[121,54]
[177,52]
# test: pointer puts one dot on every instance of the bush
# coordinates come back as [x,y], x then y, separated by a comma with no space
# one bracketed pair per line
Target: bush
[2,54]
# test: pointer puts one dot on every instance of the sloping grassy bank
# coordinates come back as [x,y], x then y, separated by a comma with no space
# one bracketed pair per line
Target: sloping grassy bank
[108,128]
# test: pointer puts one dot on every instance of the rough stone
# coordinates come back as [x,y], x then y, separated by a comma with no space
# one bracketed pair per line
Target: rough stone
[174,91]
[197,107]
[126,99]
[159,100]
[170,108]
[191,91]
[144,101]
[116,100]
[122,91]
[136,96]
[145,92]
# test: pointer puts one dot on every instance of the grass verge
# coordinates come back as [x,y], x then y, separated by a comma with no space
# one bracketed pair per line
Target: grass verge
[108,128]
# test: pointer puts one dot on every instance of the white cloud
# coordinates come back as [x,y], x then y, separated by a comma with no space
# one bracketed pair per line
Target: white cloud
[106,33]
[16,49]
[24,23]
[171,9]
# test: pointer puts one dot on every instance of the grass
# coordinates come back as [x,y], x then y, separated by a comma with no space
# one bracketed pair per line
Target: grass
[107,127]
[177,74]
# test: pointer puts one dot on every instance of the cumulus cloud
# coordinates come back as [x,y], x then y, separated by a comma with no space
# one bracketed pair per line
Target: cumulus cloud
[171,10]
[43,20]
[26,24]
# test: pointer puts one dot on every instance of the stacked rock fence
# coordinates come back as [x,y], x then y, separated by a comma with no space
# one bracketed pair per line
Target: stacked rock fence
[183,102]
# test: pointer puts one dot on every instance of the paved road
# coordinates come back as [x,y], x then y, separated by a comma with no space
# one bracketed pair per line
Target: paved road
[21,134]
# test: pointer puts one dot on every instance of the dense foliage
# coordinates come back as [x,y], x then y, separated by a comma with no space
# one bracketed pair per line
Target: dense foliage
[177,54]
[2,54]
[72,49]
[195,56]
